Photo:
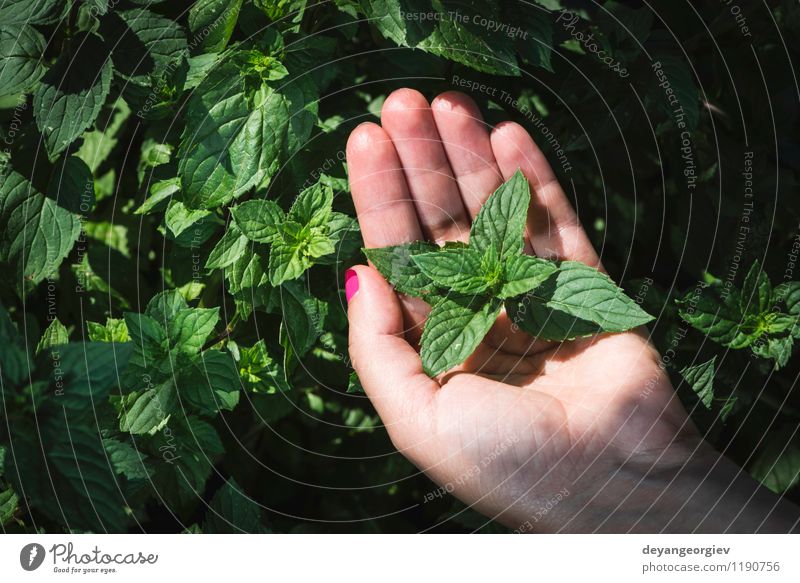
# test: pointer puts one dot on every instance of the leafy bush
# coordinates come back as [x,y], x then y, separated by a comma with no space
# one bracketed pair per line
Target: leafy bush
[175,223]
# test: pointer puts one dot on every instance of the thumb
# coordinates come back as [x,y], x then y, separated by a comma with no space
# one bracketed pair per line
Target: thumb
[389,368]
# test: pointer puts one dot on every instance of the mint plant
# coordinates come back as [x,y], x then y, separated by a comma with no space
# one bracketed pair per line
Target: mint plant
[467,285]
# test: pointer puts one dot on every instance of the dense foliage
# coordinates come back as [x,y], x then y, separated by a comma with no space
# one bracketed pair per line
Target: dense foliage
[175,223]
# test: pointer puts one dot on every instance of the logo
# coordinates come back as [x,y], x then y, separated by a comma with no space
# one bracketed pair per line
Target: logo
[31,556]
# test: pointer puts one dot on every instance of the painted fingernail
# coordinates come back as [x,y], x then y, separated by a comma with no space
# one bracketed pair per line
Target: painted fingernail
[350,284]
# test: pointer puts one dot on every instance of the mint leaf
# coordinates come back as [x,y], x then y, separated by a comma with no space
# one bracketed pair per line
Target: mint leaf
[21,66]
[232,512]
[190,328]
[454,329]
[32,11]
[701,378]
[259,220]
[456,269]
[126,460]
[211,383]
[147,412]
[288,255]
[532,315]
[70,97]
[312,206]
[396,264]
[777,463]
[39,229]
[113,331]
[524,273]
[587,294]
[215,19]
[718,315]
[756,292]
[501,221]
[228,249]
[54,335]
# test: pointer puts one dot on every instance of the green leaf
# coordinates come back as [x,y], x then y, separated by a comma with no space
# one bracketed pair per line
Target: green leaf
[148,412]
[212,21]
[190,328]
[86,372]
[211,383]
[54,335]
[287,259]
[231,512]
[312,207]
[454,329]
[396,264]
[164,306]
[21,66]
[259,372]
[354,386]
[532,315]
[235,134]
[228,249]
[718,315]
[776,349]
[259,220]
[777,464]
[9,502]
[587,294]
[188,227]
[756,291]
[701,378]
[524,273]
[455,269]
[126,460]
[39,230]
[144,45]
[72,93]
[303,318]
[501,220]
[14,362]
[89,497]
[114,330]
[465,40]
[32,11]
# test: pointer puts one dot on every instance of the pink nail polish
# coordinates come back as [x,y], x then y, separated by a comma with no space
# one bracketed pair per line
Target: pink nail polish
[350,284]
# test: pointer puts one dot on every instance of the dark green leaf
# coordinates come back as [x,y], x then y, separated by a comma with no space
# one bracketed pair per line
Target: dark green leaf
[454,329]
[501,221]
[72,93]
[395,263]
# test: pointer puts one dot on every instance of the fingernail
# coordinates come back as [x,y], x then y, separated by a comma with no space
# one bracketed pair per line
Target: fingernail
[350,284]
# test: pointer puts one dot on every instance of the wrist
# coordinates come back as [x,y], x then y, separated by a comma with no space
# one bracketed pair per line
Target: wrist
[708,493]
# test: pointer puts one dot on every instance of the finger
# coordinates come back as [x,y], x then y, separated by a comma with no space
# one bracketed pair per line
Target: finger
[390,370]
[468,147]
[385,210]
[408,120]
[553,226]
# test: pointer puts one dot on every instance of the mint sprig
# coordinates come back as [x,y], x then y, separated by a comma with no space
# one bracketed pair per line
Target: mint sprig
[468,285]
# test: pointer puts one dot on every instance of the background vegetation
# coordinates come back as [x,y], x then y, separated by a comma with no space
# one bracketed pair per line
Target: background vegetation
[160,371]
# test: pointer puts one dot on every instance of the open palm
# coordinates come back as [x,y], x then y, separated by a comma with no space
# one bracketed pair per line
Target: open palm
[540,436]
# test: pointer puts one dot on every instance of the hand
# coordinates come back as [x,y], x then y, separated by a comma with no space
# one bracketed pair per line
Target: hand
[578,436]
